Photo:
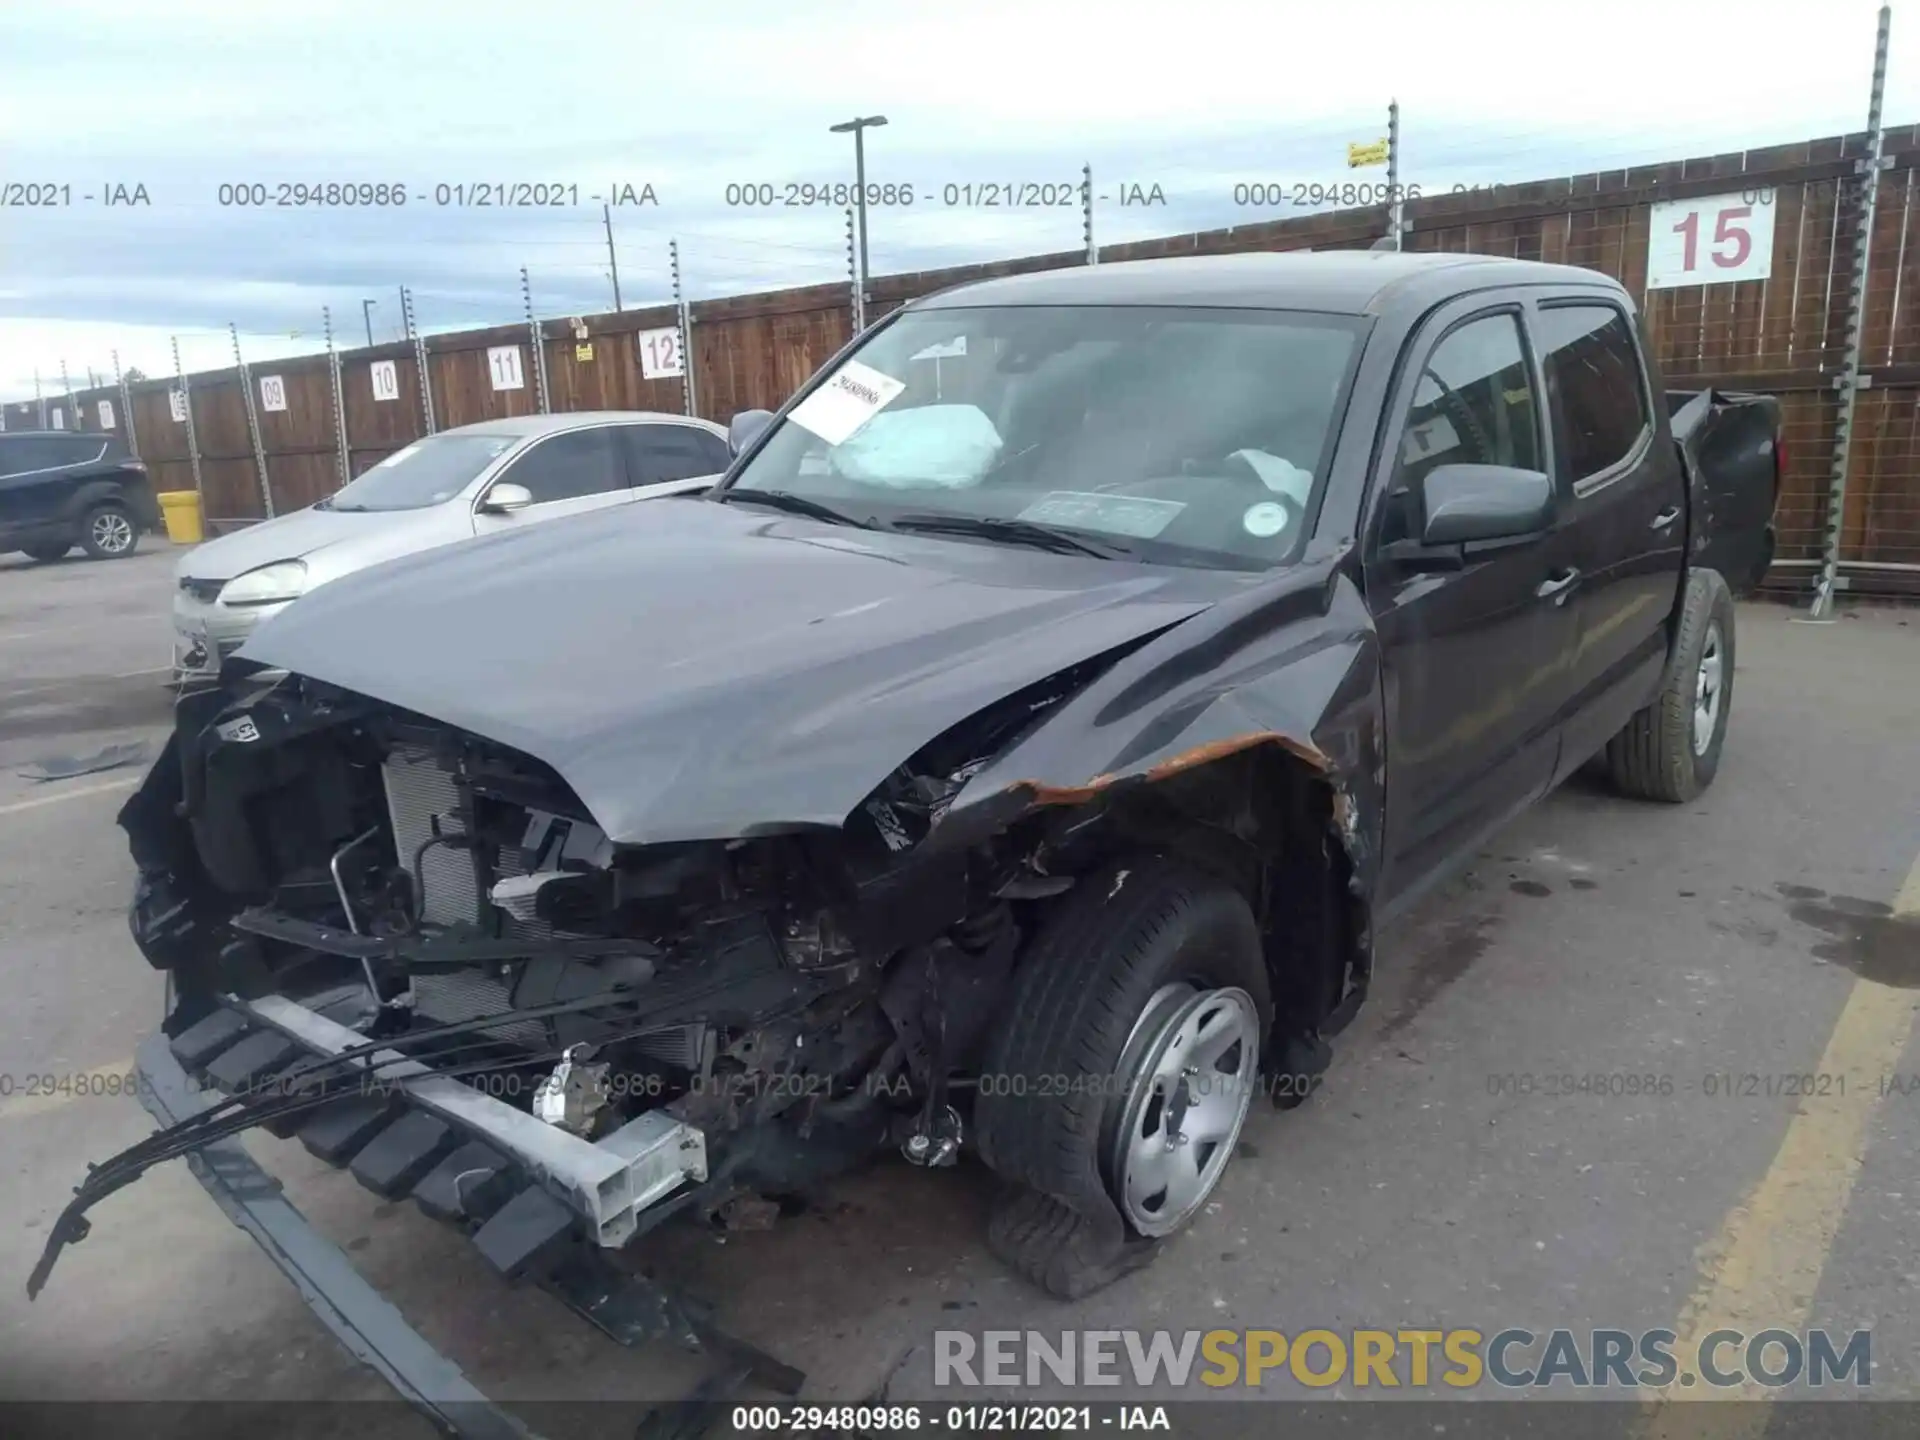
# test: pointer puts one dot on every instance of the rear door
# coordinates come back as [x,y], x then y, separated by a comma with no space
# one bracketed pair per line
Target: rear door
[567,474]
[1627,502]
[661,453]
[1474,660]
[36,476]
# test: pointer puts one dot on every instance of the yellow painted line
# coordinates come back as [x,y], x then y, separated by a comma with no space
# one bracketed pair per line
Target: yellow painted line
[1761,1269]
[85,790]
[36,1094]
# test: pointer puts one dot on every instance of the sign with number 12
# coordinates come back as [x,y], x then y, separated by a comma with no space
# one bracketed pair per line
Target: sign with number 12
[1714,240]
[660,356]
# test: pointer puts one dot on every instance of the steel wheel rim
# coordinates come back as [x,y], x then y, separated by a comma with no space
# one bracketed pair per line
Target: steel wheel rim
[1709,686]
[1186,1095]
[112,532]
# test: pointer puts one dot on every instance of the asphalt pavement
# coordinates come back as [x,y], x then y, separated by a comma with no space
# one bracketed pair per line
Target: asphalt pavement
[1453,1171]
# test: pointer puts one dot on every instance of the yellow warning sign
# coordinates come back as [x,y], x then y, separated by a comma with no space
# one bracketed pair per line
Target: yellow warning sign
[583,351]
[1371,153]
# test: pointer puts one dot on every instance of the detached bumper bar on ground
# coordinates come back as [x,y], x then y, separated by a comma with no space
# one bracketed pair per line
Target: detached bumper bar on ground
[361,1319]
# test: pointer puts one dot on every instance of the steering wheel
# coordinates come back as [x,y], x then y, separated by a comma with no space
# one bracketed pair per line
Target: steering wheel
[1469,422]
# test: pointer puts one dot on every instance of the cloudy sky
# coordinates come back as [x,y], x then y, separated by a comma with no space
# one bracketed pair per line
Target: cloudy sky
[187,96]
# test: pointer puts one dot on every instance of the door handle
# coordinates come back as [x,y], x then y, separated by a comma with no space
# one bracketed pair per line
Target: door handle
[1665,518]
[1556,585]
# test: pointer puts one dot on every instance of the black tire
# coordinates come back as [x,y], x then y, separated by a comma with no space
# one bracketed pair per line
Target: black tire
[47,554]
[1109,946]
[1654,757]
[102,538]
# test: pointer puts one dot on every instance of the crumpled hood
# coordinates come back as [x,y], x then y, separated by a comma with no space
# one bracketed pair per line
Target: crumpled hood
[698,671]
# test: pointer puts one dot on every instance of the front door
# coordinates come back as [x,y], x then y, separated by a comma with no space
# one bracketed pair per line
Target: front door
[1475,660]
[567,473]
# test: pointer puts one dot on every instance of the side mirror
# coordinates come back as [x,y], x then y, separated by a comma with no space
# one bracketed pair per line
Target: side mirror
[1464,504]
[504,498]
[745,428]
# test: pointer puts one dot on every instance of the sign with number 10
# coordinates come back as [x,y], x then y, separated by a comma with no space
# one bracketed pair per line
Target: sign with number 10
[1714,240]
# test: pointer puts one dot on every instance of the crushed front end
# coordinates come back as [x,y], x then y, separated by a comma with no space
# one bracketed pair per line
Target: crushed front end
[414,949]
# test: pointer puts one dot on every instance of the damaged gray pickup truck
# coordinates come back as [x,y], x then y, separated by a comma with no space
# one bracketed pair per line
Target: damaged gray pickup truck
[1014,756]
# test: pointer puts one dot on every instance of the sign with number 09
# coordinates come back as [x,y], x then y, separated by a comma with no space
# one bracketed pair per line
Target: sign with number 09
[660,356]
[273,393]
[1714,240]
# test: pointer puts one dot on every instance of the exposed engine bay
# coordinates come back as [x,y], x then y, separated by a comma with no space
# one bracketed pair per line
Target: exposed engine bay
[798,1001]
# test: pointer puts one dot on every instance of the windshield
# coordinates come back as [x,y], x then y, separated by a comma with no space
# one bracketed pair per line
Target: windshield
[1187,436]
[428,472]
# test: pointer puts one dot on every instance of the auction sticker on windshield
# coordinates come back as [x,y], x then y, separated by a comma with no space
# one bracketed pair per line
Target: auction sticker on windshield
[1116,514]
[854,395]
[1264,519]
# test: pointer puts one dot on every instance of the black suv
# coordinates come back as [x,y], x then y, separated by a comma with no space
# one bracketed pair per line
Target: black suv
[59,489]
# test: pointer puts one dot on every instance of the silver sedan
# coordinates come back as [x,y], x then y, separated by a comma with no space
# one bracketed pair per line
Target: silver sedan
[469,481]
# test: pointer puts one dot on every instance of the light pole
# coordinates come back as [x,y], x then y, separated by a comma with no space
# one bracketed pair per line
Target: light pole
[366,314]
[858,126]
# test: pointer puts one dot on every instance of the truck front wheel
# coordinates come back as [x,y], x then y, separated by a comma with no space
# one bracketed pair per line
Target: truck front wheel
[1114,1096]
[1670,750]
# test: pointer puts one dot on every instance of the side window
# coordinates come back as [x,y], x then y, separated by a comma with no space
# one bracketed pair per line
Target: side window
[19,457]
[1474,404]
[1593,384]
[81,450]
[570,465]
[673,452]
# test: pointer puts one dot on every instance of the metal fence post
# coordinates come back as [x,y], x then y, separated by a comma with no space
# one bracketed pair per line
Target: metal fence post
[419,359]
[683,317]
[126,406]
[39,398]
[336,400]
[1848,380]
[73,411]
[1086,214]
[539,345]
[185,387]
[853,278]
[253,421]
[1395,206]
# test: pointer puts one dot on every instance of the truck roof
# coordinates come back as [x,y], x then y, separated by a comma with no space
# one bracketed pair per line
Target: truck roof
[1342,282]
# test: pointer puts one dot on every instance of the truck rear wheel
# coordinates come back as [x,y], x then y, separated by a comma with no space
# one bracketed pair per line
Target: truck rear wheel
[1670,750]
[1113,1099]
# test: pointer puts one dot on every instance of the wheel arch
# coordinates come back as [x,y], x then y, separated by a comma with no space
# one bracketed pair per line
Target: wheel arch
[1272,822]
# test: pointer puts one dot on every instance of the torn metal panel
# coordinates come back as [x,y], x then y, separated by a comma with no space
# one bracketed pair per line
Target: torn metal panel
[1730,443]
[1298,671]
[1305,683]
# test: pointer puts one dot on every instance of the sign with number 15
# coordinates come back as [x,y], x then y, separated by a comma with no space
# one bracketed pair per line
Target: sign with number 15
[1714,240]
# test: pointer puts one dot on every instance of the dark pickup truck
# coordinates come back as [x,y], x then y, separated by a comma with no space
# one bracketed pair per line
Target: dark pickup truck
[1015,756]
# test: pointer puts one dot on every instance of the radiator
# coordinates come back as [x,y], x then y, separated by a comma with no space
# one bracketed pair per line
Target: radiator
[419,792]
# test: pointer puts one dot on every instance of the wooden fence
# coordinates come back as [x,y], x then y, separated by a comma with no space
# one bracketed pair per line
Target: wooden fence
[1784,335]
